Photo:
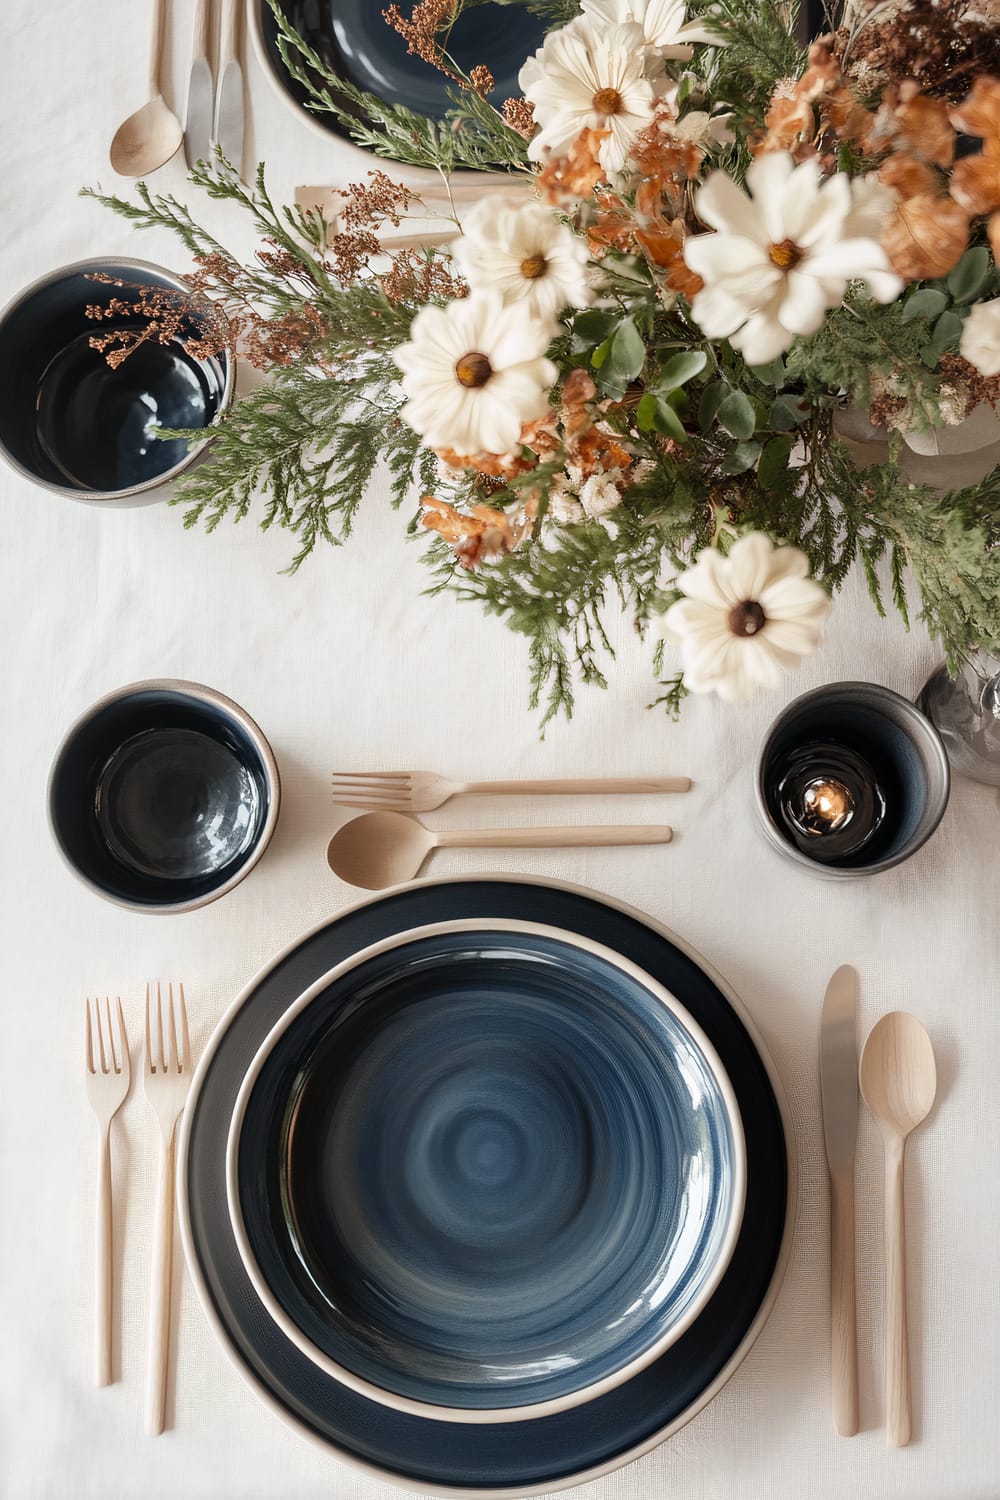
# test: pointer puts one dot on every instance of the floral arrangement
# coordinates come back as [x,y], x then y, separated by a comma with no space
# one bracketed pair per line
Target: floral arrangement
[625,375]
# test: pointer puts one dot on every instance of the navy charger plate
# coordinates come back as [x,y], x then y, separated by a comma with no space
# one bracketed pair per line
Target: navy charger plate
[548,1452]
[488,1169]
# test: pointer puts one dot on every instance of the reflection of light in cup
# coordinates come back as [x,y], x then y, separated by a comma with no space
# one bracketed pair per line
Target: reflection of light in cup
[852,779]
[75,424]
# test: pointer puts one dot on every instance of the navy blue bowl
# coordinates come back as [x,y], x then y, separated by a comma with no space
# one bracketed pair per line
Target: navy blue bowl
[80,428]
[163,796]
[508,1224]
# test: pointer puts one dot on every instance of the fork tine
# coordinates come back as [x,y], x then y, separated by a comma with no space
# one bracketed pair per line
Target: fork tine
[122,1036]
[185,1036]
[115,1065]
[366,776]
[172,1064]
[161,1055]
[90,1040]
[100,1035]
[150,1067]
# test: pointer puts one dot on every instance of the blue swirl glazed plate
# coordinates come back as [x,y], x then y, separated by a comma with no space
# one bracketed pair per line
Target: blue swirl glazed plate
[503,1459]
[486,1171]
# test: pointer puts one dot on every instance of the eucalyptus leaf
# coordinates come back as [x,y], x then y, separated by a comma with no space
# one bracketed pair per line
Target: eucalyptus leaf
[680,368]
[740,458]
[600,354]
[645,411]
[787,412]
[593,326]
[668,422]
[926,303]
[737,416]
[628,352]
[712,398]
[774,460]
[970,275]
[773,373]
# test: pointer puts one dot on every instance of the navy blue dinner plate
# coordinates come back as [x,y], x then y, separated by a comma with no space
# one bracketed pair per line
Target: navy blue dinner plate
[549,1451]
[488,1168]
[355,42]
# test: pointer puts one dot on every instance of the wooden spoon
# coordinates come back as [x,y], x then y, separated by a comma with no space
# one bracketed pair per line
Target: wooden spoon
[149,137]
[898,1081]
[383,848]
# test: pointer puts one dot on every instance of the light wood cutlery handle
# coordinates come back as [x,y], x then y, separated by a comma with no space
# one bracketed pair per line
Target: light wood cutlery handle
[897,1347]
[588,837]
[843,1316]
[201,42]
[571,787]
[229,33]
[156,46]
[161,1275]
[103,1264]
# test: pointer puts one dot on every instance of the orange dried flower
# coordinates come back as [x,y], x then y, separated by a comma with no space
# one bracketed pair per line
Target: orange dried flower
[908,176]
[519,114]
[979,113]
[975,183]
[477,535]
[575,175]
[926,236]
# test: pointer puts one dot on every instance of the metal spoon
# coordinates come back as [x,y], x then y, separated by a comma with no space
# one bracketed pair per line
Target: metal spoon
[898,1081]
[384,848]
[149,137]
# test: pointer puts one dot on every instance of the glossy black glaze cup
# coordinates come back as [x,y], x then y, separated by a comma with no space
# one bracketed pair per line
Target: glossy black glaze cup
[163,796]
[80,428]
[852,779]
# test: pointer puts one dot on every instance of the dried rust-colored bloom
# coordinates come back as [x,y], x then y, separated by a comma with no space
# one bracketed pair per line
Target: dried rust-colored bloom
[975,180]
[482,80]
[567,179]
[926,236]
[809,116]
[520,116]
[421,33]
[167,316]
[480,534]
[940,44]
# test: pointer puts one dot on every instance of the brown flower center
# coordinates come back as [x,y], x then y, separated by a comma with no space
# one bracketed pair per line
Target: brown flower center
[785,255]
[473,370]
[533,267]
[607,102]
[746,618]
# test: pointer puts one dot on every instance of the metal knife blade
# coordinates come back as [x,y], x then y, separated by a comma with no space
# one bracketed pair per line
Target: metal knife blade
[229,116]
[838,1068]
[198,117]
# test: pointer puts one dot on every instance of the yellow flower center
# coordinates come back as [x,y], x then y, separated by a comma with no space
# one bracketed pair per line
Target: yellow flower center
[746,618]
[473,370]
[607,102]
[533,267]
[785,255]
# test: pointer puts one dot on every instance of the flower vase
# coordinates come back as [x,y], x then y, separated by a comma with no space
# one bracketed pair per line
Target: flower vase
[944,458]
[966,712]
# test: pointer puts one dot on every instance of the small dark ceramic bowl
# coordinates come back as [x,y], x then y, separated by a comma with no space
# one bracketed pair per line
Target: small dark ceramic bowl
[77,427]
[163,796]
[876,728]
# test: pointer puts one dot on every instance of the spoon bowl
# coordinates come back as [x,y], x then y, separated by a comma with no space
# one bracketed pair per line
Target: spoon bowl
[147,139]
[899,1081]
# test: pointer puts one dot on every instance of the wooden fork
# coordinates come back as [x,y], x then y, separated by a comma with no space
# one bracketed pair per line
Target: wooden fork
[107,1070]
[166,1079]
[422,791]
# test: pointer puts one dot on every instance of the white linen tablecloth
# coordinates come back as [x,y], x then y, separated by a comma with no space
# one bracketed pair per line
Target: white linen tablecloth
[346,665]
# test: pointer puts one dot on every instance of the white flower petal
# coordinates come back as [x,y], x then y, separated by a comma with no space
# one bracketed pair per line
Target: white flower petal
[803,304]
[762,337]
[723,205]
[980,341]
[767,178]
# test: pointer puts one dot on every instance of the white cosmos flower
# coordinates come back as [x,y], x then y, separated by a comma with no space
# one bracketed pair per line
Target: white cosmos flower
[784,256]
[589,76]
[475,372]
[980,341]
[747,617]
[521,250]
[665,28]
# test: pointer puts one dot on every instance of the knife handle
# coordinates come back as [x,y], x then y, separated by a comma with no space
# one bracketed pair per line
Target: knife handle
[201,40]
[843,1316]
[229,34]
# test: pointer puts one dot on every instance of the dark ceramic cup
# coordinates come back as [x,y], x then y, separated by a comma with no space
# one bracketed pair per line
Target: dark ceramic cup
[163,796]
[78,427]
[852,779]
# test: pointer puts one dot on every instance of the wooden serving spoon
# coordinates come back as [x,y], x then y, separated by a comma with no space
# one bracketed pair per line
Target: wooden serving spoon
[149,137]
[898,1081]
[384,848]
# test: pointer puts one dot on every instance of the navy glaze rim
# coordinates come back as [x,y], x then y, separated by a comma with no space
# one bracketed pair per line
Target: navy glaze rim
[507,1459]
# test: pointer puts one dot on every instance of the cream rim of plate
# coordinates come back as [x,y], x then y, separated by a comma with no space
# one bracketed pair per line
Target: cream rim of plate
[502,1492]
[475,181]
[530,1410]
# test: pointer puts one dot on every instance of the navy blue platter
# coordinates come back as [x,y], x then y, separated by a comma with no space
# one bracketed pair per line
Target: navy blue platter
[548,1452]
[488,1169]
[355,42]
